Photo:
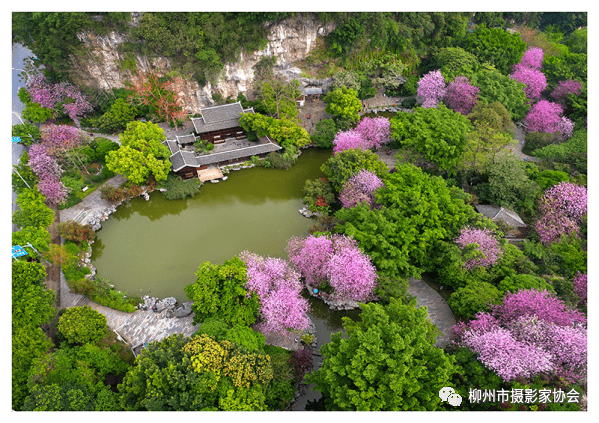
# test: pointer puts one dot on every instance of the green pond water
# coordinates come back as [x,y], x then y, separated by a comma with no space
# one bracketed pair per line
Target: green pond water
[155,247]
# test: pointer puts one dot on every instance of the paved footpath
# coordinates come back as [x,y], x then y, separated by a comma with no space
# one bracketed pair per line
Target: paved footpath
[439,312]
[142,326]
[90,204]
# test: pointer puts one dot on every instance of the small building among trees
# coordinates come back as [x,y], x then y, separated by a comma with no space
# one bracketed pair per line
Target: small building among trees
[218,125]
[508,221]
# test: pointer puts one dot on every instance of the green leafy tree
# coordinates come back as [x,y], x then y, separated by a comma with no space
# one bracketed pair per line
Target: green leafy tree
[121,112]
[36,113]
[497,87]
[318,192]
[417,211]
[343,39]
[565,66]
[438,133]
[162,379]
[347,79]
[89,366]
[29,179]
[28,132]
[246,337]
[33,210]
[492,132]
[324,133]
[38,237]
[577,41]
[509,186]
[573,151]
[474,297]
[278,97]
[455,61]
[519,282]
[142,153]
[219,291]
[343,103]
[496,46]
[386,361]
[345,164]
[287,132]
[32,307]
[68,397]
[549,178]
[82,325]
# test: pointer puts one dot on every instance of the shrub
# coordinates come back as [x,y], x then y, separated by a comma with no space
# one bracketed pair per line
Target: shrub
[548,178]
[324,133]
[178,188]
[474,297]
[301,360]
[318,194]
[409,103]
[519,282]
[276,160]
[82,325]
[535,140]
[410,87]
[73,231]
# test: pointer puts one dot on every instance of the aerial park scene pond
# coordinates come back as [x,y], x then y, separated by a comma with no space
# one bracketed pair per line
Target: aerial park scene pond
[307,214]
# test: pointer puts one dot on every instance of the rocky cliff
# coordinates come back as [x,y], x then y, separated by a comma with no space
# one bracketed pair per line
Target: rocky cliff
[290,41]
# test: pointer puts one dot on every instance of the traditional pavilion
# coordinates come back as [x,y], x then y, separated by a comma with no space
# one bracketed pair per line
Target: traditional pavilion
[220,126]
[508,217]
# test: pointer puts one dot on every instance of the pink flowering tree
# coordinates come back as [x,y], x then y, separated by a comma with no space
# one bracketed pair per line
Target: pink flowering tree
[528,71]
[58,96]
[348,140]
[566,345]
[534,81]
[279,289]
[564,89]
[311,257]
[562,209]
[360,188]
[58,138]
[487,248]
[351,274]
[532,332]
[543,304]
[338,262]
[532,58]
[546,117]
[500,351]
[580,287]
[48,172]
[431,88]
[376,131]
[461,96]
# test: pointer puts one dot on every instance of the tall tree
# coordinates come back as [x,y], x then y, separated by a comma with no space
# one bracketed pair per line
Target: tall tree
[417,210]
[220,291]
[142,153]
[387,361]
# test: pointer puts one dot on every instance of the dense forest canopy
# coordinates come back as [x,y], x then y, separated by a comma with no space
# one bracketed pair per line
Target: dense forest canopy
[200,43]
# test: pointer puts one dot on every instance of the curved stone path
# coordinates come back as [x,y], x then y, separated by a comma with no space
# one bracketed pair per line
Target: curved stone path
[520,136]
[439,312]
[135,328]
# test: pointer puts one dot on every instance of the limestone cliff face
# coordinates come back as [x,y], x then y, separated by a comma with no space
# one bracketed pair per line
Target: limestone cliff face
[289,41]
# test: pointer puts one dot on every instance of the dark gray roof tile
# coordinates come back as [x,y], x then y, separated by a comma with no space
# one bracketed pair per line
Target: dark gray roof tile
[218,117]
